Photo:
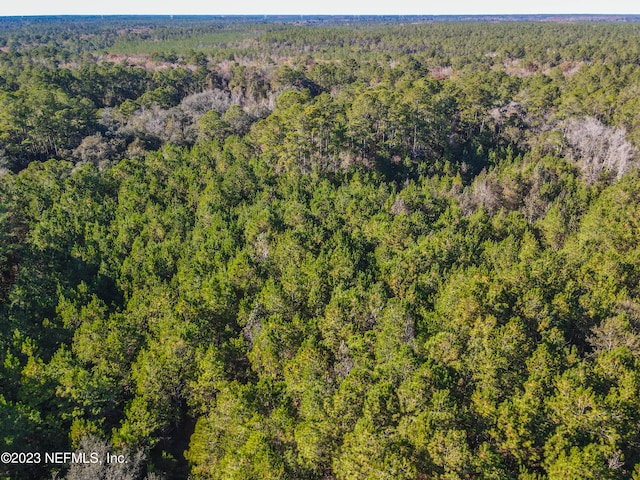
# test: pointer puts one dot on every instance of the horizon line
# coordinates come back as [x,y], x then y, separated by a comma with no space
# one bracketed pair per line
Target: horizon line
[318,15]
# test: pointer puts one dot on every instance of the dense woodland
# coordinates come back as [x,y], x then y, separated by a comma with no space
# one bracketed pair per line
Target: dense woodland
[320,248]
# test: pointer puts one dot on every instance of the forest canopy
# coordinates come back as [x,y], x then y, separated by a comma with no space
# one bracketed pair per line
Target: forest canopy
[321,248]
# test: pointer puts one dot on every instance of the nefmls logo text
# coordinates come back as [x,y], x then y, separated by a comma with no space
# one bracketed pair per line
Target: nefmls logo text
[71,457]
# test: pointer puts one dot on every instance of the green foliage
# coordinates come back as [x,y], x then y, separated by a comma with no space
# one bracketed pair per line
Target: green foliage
[321,252]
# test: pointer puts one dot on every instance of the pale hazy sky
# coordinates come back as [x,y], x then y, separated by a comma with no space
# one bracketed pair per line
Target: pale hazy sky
[396,7]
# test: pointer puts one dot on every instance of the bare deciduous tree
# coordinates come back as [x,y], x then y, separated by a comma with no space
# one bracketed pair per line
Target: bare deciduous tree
[130,469]
[614,332]
[200,103]
[599,149]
